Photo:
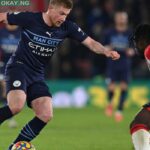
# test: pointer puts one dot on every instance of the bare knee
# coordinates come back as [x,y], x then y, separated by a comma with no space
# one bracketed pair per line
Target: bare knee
[43,108]
[45,116]
[16,100]
[16,108]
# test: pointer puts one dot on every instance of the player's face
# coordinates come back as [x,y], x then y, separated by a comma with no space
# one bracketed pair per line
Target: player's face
[58,14]
[121,19]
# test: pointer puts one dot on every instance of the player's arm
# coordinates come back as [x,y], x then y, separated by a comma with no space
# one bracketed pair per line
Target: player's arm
[99,48]
[3,17]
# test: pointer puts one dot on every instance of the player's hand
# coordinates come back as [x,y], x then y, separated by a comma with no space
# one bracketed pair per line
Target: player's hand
[112,54]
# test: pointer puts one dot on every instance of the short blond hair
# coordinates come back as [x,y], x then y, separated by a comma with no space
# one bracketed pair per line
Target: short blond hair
[66,3]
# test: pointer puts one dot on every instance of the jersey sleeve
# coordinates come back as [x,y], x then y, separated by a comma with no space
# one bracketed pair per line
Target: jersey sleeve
[20,18]
[75,32]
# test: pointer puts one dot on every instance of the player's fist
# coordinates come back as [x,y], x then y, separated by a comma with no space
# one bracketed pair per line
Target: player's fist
[147,52]
[112,54]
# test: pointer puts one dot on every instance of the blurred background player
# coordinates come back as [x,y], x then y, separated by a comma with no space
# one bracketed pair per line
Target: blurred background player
[9,38]
[119,71]
[140,125]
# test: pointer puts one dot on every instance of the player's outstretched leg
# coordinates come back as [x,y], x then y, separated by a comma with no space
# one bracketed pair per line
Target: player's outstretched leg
[30,131]
[16,100]
[139,128]
[43,110]
[11,122]
[5,113]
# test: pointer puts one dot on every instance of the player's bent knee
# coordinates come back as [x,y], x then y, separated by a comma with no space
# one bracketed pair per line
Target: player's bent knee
[16,109]
[16,100]
[46,117]
[43,108]
[16,105]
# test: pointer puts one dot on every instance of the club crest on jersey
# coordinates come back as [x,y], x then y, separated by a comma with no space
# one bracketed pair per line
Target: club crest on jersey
[16,83]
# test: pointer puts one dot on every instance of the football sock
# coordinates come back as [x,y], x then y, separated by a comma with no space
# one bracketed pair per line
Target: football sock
[5,113]
[110,95]
[30,131]
[141,139]
[122,99]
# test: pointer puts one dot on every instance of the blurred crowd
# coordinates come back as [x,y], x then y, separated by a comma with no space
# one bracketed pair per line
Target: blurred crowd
[74,61]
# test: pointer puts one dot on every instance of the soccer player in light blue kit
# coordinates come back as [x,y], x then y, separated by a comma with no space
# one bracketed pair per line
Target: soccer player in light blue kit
[118,72]
[41,34]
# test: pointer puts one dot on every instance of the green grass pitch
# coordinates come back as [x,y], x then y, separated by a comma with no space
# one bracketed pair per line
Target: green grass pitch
[76,129]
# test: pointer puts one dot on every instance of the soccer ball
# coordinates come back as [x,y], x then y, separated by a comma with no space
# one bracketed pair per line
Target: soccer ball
[23,145]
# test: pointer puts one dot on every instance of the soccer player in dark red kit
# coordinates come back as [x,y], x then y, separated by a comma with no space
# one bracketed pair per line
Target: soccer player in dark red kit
[41,34]
[140,126]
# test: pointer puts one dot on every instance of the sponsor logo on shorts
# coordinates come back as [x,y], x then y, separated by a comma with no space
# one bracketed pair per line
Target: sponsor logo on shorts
[16,83]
